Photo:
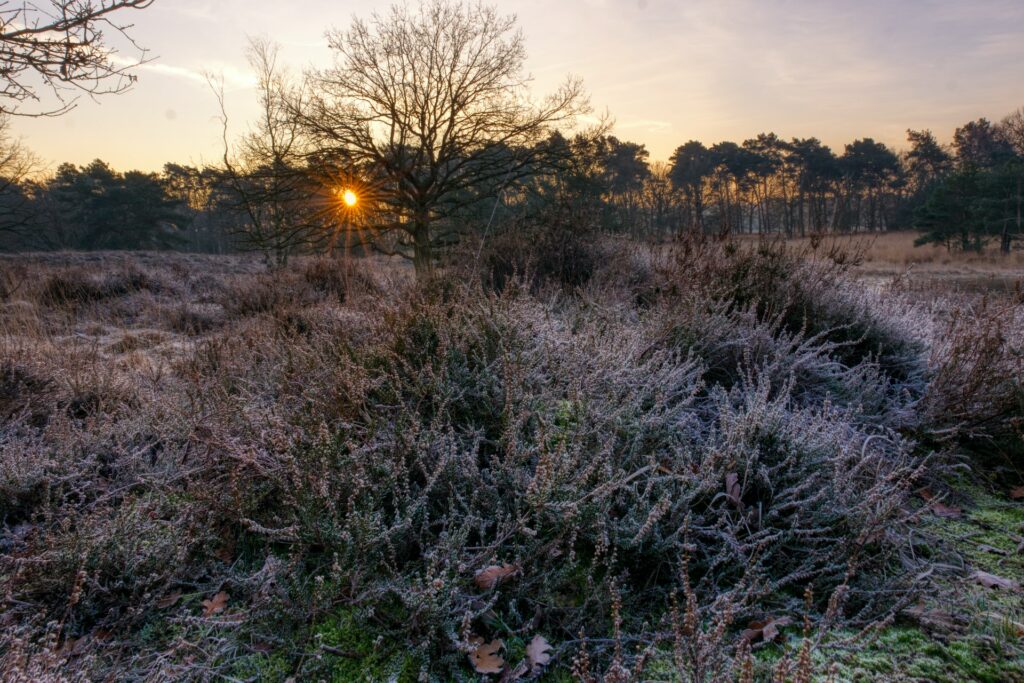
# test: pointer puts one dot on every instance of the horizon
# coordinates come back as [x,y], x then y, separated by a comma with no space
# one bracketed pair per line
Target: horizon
[726,71]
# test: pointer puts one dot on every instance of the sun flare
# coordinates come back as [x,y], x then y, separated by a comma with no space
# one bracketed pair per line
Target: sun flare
[350,198]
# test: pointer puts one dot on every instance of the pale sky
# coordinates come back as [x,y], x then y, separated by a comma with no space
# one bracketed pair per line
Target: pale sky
[668,71]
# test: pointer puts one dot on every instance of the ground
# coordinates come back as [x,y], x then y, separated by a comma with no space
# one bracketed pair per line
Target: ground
[142,325]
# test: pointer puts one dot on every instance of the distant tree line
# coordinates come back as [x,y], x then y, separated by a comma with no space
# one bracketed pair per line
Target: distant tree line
[963,196]
[425,123]
[95,207]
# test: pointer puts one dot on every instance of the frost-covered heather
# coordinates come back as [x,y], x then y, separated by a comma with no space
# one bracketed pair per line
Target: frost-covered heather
[210,471]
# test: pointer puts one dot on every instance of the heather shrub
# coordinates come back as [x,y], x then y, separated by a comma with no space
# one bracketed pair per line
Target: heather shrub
[330,277]
[24,393]
[261,293]
[565,251]
[479,431]
[77,286]
[12,280]
[191,320]
[975,396]
[347,474]
[768,306]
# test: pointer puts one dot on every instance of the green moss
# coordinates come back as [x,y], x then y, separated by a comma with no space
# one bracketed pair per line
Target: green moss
[905,653]
[262,668]
[354,653]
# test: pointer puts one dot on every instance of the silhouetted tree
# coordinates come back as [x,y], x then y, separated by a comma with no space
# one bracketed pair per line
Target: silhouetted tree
[280,207]
[926,160]
[17,212]
[979,144]
[431,103]
[1011,129]
[948,216]
[765,158]
[1000,205]
[691,164]
[817,171]
[870,168]
[95,207]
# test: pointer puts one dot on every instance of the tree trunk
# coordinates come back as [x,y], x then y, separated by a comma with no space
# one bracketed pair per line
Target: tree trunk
[1007,237]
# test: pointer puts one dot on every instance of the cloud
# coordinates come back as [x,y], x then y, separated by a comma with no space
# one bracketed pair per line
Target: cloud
[234,78]
[648,125]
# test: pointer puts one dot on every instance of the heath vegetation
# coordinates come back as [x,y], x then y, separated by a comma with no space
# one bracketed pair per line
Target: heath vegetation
[710,420]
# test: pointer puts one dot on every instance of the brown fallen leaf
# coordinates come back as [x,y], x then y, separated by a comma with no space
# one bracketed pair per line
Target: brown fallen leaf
[485,658]
[942,510]
[215,605]
[926,493]
[992,581]
[992,549]
[169,600]
[489,577]
[934,618]
[69,647]
[733,491]
[768,630]
[537,654]
[1017,492]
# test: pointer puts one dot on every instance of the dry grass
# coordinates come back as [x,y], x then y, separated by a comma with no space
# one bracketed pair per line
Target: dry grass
[897,249]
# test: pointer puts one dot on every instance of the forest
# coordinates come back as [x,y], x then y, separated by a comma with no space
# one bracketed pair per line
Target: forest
[964,196]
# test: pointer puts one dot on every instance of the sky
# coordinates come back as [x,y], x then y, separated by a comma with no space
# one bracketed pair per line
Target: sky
[667,71]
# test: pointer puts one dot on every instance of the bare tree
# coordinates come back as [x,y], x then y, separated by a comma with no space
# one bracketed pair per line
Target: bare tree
[431,105]
[282,206]
[1012,130]
[62,48]
[17,165]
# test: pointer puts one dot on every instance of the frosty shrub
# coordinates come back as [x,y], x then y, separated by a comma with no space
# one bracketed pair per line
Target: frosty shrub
[357,478]
[976,394]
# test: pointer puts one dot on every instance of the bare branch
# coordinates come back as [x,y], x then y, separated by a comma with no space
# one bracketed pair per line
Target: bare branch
[53,52]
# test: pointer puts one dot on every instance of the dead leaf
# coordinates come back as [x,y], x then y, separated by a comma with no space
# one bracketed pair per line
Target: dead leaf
[226,553]
[948,511]
[485,658]
[169,600]
[992,581]
[215,605]
[768,630]
[537,653]
[489,577]
[926,494]
[1017,492]
[934,618]
[991,549]
[732,489]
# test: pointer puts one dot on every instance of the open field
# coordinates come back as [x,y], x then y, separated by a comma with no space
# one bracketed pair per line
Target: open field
[931,268]
[580,468]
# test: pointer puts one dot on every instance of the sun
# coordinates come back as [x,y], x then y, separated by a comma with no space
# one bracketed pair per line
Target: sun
[350,198]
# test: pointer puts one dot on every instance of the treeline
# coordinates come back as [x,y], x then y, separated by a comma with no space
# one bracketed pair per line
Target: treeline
[964,195]
[95,207]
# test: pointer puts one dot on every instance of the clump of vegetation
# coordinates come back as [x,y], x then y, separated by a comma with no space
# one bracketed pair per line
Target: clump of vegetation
[561,248]
[76,287]
[976,395]
[451,478]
